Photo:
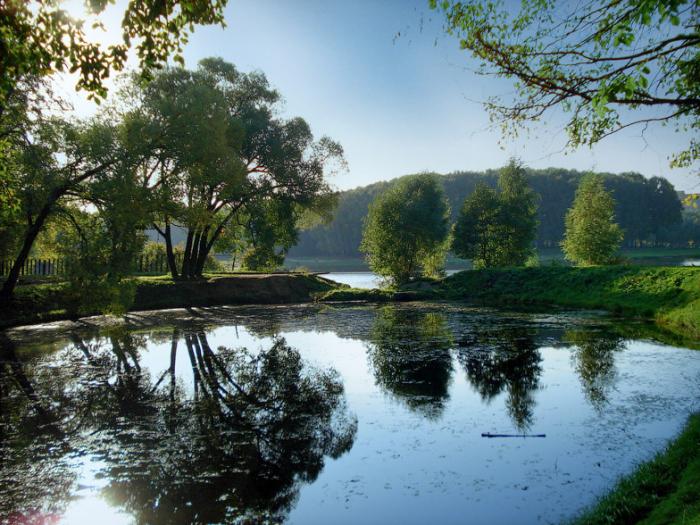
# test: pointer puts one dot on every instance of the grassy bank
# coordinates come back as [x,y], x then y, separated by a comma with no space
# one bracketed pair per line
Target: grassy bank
[669,295]
[665,490]
[47,302]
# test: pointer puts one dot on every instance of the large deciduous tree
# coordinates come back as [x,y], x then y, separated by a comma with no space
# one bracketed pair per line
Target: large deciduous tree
[592,236]
[407,230]
[39,38]
[221,151]
[498,228]
[610,64]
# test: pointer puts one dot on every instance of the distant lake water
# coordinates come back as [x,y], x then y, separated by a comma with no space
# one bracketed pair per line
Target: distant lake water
[311,414]
[362,279]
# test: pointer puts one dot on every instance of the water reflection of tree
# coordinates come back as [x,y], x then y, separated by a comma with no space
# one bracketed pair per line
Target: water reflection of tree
[28,419]
[235,446]
[410,356]
[594,361]
[504,359]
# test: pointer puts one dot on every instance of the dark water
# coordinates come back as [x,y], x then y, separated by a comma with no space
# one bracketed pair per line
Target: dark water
[343,415]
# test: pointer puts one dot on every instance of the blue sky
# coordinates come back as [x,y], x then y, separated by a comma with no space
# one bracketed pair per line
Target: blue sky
[381,77]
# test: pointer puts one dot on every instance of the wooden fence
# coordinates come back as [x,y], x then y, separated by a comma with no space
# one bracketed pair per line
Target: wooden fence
[154,265]
[35,267]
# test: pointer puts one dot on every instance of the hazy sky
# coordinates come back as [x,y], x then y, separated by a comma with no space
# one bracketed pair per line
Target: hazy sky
[381,77]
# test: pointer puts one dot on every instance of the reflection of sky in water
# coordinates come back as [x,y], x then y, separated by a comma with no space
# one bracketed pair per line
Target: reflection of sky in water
[356,279]
[94,509]
[362,279]
[405,467]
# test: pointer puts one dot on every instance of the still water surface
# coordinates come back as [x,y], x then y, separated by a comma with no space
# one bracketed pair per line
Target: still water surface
[311,414]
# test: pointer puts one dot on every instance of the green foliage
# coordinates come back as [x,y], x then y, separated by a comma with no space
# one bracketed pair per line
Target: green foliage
[226,162]
[20,119]
[596,61]
[498,228]
[592,236]
[95,266]
[9,200]
[55,162]
[649,210]
[41,38]
[406,231]
[270,231]
[662,491]
[100,247]
[475,229]
[517,222]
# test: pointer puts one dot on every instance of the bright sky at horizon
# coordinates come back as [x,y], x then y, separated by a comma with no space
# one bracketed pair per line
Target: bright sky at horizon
[383,79]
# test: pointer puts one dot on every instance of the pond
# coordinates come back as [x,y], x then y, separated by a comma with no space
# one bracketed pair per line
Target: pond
[350,414]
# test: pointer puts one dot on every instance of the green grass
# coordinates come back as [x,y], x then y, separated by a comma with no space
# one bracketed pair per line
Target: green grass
[666,490]
[669,295]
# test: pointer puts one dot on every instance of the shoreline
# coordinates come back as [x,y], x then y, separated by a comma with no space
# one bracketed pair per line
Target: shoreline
[669,296]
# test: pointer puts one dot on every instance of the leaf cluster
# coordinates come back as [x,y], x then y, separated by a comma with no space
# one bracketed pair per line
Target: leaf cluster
[41,38]
[406,232]
[592,236]
[498,227]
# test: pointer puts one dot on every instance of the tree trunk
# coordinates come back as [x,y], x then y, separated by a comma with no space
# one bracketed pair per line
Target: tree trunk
[202,252]
[29,237]
[169,254]
[192,256]
[186,255]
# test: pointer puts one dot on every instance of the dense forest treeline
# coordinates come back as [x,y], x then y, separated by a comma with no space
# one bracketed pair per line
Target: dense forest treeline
[649,210]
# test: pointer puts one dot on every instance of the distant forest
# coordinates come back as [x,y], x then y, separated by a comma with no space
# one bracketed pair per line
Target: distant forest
[649,211]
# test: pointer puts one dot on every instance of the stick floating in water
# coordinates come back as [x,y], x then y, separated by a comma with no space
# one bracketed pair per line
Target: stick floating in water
[490,435]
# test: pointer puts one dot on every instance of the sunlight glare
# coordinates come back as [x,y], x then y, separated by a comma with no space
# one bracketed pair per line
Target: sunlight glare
[83,511]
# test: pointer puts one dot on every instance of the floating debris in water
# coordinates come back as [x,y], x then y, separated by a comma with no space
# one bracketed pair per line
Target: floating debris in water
[490,435]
